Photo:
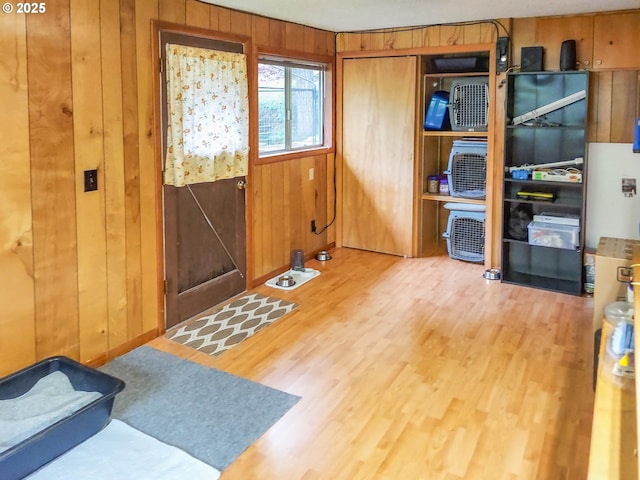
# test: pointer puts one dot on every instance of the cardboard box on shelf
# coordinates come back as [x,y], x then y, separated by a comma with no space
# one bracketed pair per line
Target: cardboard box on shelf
[613,273]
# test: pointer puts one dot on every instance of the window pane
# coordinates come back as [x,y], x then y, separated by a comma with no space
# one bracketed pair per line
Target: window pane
[306,108]
[271,107]
[290,106]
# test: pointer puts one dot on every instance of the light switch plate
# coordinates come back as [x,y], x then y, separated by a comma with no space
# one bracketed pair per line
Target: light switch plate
[90,180]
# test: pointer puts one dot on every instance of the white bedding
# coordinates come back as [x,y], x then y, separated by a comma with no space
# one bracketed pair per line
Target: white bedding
[124,453]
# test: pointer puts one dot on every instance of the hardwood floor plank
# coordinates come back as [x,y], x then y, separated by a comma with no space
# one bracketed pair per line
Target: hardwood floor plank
[418,369]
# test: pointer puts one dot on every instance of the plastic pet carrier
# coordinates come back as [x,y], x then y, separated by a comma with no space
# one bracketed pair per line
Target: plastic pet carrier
[469,104]
[465,232]
[467,169]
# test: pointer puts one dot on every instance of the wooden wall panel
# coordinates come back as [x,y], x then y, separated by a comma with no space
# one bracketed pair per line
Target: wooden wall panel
[426,37]
[78,83]
[146,10]
[419,37]
[114,174]
[624,101]
[261,31]
[294,36]
[552,31]
[276,34]
[523,34]
[89,154]
[173,11]
[53,181]
[614,97]
[257,221]
[240,23]
[286,200]
[17,320]
[224,20]
[131,165]
[197,14]
[267,220]
[277,204]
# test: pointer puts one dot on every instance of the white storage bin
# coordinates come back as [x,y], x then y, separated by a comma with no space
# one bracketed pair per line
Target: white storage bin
[544,234]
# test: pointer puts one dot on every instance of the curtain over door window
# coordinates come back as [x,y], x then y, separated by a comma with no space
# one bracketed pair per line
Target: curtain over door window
[208,115]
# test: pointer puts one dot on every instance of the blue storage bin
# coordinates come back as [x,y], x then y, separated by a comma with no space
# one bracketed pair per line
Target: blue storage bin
[28,455]
[437,116]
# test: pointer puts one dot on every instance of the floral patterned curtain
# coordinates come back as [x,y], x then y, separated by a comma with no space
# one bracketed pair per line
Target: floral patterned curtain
[208,115]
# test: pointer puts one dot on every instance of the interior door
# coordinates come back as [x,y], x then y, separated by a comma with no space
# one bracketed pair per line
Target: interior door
[204,228]
[378,149]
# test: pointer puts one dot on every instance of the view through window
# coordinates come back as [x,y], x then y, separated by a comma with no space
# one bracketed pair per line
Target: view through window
[290,105]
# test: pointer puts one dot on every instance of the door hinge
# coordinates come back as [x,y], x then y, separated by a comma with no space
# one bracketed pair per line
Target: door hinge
[165,286]
[161,60]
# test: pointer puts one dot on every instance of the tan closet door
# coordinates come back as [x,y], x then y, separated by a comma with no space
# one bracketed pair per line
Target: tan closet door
[378,148]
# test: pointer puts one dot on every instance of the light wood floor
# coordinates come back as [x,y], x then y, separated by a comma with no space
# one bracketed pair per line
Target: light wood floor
[419,369]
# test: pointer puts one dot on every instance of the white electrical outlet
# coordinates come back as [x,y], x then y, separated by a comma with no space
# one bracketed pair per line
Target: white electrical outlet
[311,173]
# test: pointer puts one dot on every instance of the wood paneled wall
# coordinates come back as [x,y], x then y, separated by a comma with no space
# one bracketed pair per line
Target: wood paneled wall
[80,271]
[614,90]
[434,36]
[436,39]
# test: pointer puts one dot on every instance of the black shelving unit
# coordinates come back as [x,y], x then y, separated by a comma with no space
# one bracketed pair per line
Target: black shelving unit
[556,136]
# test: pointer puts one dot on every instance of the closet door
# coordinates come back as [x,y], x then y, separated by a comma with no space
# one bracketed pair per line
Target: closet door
[379,96]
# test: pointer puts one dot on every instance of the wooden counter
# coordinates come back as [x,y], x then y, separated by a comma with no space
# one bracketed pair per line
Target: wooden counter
[613,453]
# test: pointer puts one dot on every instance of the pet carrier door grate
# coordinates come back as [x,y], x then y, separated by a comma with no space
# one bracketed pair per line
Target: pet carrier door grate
[469,104]
[467,169]
[465,232]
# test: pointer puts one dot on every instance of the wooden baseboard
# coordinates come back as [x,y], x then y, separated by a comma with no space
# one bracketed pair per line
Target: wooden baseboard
[124,348]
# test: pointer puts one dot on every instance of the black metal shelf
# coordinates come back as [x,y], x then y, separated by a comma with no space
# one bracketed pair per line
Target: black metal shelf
[544,182]
[558,202]
[571,287]
[546,127]
[525,242]
[537,266]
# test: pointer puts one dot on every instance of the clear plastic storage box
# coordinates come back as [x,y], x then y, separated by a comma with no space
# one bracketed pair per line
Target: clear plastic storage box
[544,234]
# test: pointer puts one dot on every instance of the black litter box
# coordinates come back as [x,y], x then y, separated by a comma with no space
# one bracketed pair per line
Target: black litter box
[28,455]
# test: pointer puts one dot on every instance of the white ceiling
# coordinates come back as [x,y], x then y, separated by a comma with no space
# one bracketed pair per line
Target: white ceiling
[350,15]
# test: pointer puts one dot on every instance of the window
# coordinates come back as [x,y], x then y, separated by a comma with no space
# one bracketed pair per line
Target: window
[291,110]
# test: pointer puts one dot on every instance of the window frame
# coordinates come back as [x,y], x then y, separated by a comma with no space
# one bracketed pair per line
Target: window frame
[298,59]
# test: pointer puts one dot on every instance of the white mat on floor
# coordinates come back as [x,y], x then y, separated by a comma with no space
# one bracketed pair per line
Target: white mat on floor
[121,452]
[299,277]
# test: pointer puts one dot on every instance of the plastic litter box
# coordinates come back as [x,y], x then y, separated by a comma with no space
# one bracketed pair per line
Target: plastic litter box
[28,455]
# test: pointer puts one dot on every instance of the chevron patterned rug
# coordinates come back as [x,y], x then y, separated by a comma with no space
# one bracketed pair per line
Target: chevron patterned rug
[234,323]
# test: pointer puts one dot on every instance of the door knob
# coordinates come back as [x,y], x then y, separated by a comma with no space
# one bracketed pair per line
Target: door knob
[241,185]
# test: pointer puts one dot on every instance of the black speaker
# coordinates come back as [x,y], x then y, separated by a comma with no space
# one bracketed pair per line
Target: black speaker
[531,59]
[568,55]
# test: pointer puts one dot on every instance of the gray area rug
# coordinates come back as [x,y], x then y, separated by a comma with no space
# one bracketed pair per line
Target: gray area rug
[213,415]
